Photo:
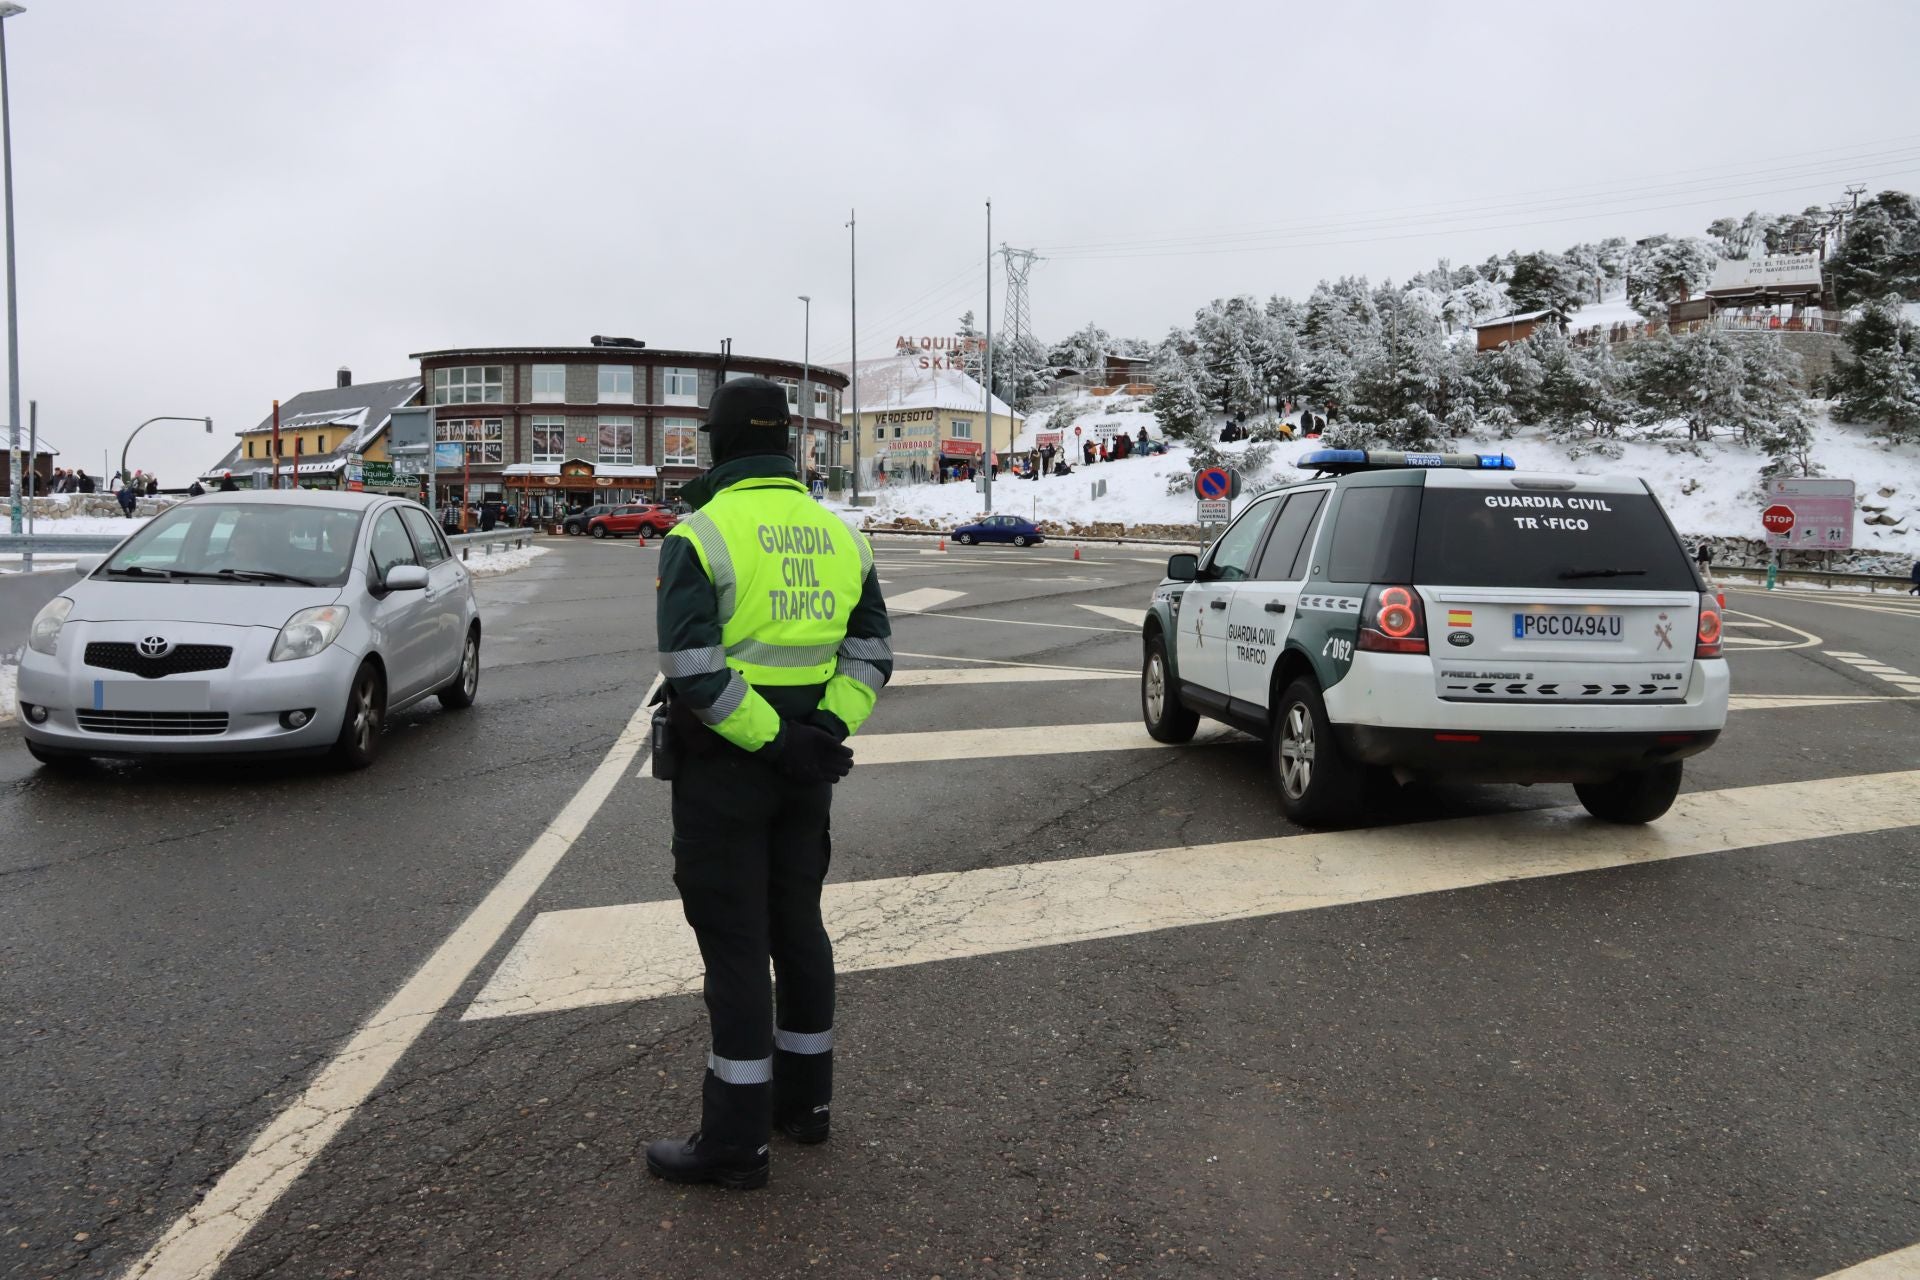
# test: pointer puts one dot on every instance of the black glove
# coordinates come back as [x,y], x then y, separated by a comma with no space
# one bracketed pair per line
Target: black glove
[693,737]
[807,754]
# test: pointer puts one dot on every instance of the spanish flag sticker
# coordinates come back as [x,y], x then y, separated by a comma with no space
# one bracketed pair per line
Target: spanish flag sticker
[1459,617]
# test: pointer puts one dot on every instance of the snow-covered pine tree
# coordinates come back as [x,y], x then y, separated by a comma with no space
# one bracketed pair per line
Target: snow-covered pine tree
[1227,331]
[1667,272]
[1577,398]
[1881,252]
[1177,401]
[1878,380]
[1545,282]
[1397,383]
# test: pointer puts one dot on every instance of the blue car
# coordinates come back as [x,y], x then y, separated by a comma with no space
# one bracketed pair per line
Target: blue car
[1012,529]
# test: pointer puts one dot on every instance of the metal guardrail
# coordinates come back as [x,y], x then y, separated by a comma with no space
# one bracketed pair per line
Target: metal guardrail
[1817,577]
[465,542]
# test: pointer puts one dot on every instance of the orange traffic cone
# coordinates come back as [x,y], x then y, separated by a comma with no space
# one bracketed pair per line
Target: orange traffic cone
[943,544]
[1076,551]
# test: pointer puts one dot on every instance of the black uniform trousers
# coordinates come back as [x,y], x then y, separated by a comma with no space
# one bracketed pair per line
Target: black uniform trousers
[750,851]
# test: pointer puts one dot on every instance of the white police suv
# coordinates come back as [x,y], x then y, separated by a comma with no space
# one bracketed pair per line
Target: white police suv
[1445,616]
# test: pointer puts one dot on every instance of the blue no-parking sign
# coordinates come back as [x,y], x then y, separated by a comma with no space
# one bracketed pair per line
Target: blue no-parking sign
[1214,483]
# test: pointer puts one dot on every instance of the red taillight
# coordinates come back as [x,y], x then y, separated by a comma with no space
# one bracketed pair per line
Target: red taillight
[1707,643]
[1392,620]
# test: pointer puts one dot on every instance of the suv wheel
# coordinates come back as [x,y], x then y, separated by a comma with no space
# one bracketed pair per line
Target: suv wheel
[1167,719]
[599,531]
[1639,796]
[1318,785]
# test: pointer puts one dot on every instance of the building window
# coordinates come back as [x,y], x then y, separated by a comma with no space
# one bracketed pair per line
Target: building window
[680,442]
[822,401]
[481,436]
[616,433]
[736,374]
[896,433]
[879,433]
[683,386]
[249,448]
[963,428]
[549,439]
[319,444]
[616,383]
[477,384]
[793,392]
[549,384]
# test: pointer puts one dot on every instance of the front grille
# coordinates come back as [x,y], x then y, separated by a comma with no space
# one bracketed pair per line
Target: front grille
[155,724]
[119,655]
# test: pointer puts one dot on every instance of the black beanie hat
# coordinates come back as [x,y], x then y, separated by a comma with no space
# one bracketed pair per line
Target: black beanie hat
[748,416]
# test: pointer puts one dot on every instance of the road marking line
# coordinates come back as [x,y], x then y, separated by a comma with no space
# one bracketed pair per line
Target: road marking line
[1807,638]
[940,677]
[1736,622]
[1775,702]
[1002,662]
[1029,622]
[641,951]
[200,1239]
[1751,642]
[1902,1264]
[922,600]
[1137,617]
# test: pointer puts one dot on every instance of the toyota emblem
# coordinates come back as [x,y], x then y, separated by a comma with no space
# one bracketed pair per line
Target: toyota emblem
[156,647]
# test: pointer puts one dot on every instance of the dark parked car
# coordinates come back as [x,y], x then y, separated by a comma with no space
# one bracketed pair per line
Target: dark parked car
[576,523]
[1149,448]
[1012,529]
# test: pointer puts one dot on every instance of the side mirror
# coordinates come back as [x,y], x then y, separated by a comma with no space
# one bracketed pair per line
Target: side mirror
[405,577]
[87,564]
[1184,567]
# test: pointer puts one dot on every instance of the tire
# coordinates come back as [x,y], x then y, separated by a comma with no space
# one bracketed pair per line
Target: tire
[1167,720]
[366,715]
[599,531]
[1019,539]
[459,695]
[964,539]
[57,760]
[1318,785]
[643,533]
[1632,798]
[570,529]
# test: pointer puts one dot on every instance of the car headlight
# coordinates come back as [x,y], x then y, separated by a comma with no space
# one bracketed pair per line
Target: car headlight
[45,635]
[308,632]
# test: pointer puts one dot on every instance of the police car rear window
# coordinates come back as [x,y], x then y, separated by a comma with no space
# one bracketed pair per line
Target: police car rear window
[1373,534]
[1513,538]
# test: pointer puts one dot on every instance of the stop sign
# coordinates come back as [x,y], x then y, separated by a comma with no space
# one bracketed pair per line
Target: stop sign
[1076,431]
[1778,519]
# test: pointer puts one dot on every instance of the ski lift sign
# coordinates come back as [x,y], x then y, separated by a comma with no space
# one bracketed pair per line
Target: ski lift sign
[1818,514]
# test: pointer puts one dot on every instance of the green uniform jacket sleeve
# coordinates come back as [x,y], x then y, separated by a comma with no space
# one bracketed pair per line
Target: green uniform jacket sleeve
[692,658]
[865,660]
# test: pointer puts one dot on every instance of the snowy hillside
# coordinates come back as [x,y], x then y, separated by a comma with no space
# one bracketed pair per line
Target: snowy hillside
[1714,496]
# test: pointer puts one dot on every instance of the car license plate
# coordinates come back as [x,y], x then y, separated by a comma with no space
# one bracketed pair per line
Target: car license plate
[1568,626]
[150,695]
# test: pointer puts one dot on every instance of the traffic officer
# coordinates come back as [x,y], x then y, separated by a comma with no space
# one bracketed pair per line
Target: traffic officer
[774,642]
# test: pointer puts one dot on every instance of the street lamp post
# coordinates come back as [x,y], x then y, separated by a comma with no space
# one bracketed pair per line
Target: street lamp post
[165,417]
[806,377]
[7,10]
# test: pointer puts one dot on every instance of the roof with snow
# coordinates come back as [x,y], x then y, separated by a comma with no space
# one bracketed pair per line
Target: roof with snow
[1519,317]
[898,382]
[362,410]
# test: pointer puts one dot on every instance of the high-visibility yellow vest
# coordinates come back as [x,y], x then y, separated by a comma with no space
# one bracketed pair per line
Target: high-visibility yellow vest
[788,573]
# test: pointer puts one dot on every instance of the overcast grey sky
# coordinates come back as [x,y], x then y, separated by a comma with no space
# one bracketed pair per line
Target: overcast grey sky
[220,201]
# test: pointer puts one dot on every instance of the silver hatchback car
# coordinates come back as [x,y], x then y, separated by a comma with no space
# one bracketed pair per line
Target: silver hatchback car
[275,622]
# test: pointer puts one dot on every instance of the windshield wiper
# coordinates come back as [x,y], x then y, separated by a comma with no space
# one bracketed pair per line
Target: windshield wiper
[1568,575]
[262,575]
[141,571]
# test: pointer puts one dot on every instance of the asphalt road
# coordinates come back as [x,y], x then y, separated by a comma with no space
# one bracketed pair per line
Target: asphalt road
[1413,1052]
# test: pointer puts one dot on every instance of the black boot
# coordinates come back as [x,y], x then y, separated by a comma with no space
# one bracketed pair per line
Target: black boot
[802,1091]
[699,1160]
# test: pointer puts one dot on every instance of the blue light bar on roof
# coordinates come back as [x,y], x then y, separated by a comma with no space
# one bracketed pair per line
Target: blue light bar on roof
[1347,461]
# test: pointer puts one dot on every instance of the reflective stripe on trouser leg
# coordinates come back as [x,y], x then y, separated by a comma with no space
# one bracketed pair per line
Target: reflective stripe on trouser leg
[803,1041]
[739,1070]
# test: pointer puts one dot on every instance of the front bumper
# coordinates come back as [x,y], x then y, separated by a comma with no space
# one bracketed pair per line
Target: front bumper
[250,692]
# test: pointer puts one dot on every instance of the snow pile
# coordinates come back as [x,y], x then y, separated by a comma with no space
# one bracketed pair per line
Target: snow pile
[1715,494]
[503,560]
[9,678]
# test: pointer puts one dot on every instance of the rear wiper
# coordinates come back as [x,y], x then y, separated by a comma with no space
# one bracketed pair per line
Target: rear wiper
[262,575]
[1568,575]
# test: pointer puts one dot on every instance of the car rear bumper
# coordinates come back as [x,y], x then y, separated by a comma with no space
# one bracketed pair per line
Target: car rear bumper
[1397,691]
[1518,757]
